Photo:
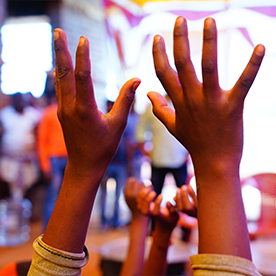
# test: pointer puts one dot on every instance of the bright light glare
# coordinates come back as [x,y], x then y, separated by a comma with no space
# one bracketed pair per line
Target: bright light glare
[22,79]
[27,55]
[252,202]
[111,186]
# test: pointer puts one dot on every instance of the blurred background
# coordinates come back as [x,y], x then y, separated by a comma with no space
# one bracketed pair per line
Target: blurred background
[121,34]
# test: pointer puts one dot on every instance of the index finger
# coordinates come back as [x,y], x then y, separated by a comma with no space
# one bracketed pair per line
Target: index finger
[167,76]
[248,76]
[64,69]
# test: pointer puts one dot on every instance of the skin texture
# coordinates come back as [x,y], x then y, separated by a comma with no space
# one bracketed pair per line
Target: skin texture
[165,221]
[91,139]
[208,121]
[186,200]
[134,262]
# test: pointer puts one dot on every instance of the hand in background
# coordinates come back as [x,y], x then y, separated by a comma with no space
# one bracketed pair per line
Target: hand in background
[186,200]
[166,217]
[165,221]
[134,262]
[132,188]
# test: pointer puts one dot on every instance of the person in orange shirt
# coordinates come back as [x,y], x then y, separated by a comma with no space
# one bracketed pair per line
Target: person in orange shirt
[52,154]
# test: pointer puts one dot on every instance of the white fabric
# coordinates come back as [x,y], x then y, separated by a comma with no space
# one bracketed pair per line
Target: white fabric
[167,151]
[18,163]
[18,137]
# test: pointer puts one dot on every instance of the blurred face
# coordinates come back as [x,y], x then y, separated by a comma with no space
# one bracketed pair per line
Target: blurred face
[18,102]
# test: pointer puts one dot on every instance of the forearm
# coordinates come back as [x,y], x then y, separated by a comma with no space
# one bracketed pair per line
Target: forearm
[221,216]
[158,251]
[133,264]
[68,224]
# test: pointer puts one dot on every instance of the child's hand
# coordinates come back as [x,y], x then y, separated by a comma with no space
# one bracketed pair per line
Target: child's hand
[166,217]
[132,188]
[91,137]
[207,119]
[186,200]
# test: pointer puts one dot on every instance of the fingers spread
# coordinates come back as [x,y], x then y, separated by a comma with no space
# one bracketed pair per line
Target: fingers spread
[167,76]
[182,59]
[64,69]
[209,58]
[162,111]
[247,78]
[84,86]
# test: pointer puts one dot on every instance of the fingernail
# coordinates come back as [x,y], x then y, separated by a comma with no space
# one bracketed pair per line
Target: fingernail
[179,21]
[56,34]
[260,50]
[82,40]
[156,39]
[209,22]
[135,85]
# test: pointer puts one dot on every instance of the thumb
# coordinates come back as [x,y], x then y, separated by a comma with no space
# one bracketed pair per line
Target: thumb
[124,101]
[162,111]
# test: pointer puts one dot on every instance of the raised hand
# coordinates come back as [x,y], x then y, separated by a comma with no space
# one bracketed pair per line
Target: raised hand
[166,217]
[207,119]
[132,188]
[186,200]
[91,137]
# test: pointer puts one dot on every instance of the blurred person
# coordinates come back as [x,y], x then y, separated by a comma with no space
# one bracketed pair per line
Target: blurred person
[18,159]
[134,151]
[167,154]
[117,169]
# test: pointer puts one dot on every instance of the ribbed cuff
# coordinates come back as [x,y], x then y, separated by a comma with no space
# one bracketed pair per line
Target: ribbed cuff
[205,264]
[51,261]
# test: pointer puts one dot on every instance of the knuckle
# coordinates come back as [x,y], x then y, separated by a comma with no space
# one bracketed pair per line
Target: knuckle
[82,111]
[208,66]
[178,33]
[246,82]
[180,63]
[63,71]
[82,76]
[209,36]
[160,72]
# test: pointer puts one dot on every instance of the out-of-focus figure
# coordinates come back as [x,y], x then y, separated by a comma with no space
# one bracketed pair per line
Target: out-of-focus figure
[18,159]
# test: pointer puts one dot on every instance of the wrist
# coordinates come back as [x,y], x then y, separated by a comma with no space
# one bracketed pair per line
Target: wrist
[139,220]
[162,242]
[162,233]
[216,169]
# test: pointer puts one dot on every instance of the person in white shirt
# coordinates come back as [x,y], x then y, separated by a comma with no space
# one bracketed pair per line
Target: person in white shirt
[167,154]
[18,159]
